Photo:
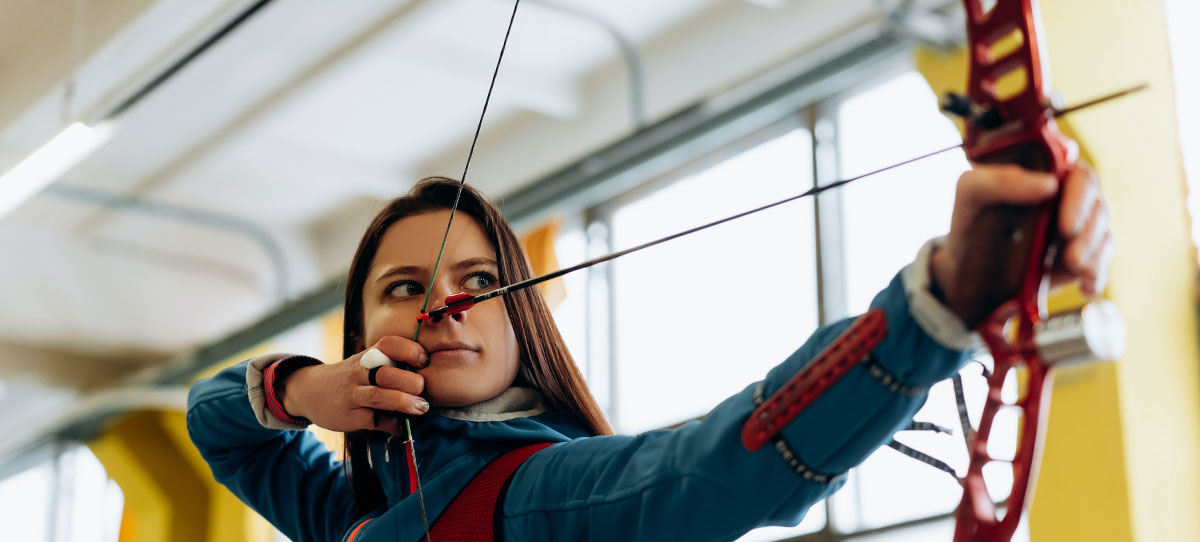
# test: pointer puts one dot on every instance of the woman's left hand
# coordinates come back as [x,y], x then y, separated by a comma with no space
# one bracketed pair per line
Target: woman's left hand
[1085,238]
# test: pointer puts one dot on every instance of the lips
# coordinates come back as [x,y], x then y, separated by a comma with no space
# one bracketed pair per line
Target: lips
[451,350]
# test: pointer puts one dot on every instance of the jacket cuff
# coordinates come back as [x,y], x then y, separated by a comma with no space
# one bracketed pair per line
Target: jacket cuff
[931,315]
[258,395]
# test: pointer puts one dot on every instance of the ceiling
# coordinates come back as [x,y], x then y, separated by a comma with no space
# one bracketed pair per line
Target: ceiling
[246,177]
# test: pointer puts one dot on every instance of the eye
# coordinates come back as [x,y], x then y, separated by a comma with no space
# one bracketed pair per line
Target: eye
[479,280]
[404,288]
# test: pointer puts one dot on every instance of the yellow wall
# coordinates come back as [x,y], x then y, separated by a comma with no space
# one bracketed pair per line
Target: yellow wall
[169,492]
[1123,440]
[146,463]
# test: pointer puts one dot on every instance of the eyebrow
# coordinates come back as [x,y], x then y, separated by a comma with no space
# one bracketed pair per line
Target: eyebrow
[457,266]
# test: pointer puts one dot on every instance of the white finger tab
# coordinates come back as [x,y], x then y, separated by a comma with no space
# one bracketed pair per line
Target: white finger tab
[374,358]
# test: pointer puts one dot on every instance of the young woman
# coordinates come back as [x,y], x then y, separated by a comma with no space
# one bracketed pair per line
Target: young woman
[497,377]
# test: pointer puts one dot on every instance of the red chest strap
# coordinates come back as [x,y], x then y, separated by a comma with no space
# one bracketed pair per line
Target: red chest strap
[471,516]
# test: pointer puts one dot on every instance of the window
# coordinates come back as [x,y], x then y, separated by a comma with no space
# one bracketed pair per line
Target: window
[885,220]
[636,326]
[68,497]
[713,312]
[1183,42]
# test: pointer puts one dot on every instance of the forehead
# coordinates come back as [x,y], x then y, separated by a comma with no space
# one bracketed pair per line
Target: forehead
[415,240]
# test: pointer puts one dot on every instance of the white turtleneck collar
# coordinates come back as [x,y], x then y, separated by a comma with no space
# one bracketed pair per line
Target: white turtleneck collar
[514,402]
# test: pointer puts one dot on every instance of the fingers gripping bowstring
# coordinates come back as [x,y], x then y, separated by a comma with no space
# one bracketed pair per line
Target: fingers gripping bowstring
[441,250]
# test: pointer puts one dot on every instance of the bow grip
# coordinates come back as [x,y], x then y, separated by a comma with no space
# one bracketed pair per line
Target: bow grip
[1008,85]
[1010,250]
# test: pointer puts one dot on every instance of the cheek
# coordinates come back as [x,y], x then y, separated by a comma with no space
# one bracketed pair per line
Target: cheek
[505,339]
[514,354]
[380,322]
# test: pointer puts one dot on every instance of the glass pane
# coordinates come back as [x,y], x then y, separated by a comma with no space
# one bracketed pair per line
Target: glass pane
[71,491]
[571,313]
[889,216]
[96,501]
[890,488]
[886,219]
[1184,42]
[813,522]
[25,499]
[710,313]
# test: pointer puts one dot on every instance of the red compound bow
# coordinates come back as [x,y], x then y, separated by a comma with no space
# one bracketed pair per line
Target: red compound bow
[1013,125]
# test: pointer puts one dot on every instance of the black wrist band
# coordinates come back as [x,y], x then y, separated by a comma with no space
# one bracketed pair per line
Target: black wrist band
[286,367]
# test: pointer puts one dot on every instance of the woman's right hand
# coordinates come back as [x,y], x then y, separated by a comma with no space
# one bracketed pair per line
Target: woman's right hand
[339,397]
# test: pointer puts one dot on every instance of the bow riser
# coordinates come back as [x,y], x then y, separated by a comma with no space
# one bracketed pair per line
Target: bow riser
[1011,267]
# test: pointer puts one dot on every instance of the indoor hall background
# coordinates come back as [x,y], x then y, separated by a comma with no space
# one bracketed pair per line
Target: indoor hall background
[217,217]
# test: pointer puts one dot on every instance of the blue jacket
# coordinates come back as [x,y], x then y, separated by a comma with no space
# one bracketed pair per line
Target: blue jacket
[695,482]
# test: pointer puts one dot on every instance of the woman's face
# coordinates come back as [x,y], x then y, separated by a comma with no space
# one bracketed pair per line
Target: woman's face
[473,354]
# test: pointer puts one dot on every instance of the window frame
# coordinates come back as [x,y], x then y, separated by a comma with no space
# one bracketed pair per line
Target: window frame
[601,216]
[819,118]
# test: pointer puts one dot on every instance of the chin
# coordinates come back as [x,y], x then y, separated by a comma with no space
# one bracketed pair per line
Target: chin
[456,387]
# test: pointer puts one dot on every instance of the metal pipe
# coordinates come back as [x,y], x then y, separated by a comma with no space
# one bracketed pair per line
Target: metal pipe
[255,233]
[187,58]
[633,60]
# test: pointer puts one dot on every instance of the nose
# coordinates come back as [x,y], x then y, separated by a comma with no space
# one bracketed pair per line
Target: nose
[457,303]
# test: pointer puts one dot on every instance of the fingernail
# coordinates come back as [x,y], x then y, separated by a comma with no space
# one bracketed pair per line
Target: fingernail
[422,406]
[424,360]
[1049,183]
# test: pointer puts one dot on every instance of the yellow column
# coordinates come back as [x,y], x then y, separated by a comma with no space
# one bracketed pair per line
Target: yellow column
[1123,440]
[169,492]
[539,245]
[331,352]
[228,518]
[1117,43]
[168,500]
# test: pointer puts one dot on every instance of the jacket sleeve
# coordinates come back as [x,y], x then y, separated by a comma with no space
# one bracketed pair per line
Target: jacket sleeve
[287,476]
[698,482]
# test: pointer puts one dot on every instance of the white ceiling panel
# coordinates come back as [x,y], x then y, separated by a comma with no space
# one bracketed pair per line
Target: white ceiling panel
[301,120]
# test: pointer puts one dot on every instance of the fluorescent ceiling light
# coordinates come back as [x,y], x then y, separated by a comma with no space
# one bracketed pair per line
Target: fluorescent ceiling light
[46,164]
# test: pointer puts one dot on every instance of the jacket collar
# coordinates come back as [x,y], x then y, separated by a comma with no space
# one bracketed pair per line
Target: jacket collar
[514,402]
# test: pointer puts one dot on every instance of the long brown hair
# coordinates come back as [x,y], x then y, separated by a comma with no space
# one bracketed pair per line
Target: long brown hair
[544,360]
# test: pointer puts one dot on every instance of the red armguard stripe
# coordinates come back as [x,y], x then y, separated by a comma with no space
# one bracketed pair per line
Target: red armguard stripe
[846,351]
[471,516]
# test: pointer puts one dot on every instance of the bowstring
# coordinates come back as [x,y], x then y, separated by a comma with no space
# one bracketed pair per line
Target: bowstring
[441,250]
